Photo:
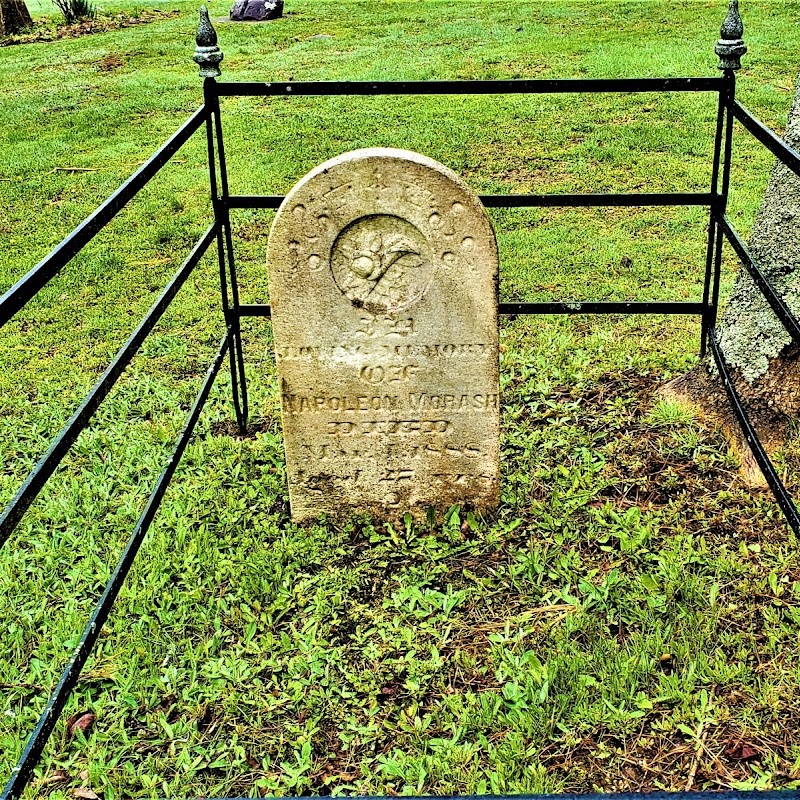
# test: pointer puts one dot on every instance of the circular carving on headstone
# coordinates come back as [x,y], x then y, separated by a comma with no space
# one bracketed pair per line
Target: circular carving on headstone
[382,263]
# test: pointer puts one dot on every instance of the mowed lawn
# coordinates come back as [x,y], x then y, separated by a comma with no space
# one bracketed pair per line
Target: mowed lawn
[628,619]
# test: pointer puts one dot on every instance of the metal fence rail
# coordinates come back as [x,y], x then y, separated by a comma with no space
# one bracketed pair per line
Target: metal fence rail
[565,307]
[512,86]
[13,301]
[597,200]
[782,311]
[27,286]
[58,699]
[782,496]
[64,440]
[208,56]
[768,138]
[791,159]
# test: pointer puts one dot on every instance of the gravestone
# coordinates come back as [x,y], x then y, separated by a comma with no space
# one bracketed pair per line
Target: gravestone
[383,272]
[256,10]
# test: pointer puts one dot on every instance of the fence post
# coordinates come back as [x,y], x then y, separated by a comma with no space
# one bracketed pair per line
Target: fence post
[208,56]
[730,48]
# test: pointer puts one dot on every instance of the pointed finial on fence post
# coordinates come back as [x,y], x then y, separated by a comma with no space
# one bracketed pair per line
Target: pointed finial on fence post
[207,54]
[731,47]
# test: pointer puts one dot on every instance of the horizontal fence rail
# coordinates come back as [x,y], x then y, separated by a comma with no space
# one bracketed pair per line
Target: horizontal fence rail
[608,307]
[27,286]
[786,154]
[64,440]
[527,200]
[567,307]
[514,86]
[55,705]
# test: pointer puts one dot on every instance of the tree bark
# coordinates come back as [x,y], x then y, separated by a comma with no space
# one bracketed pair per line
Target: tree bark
[14,16]
[764,361]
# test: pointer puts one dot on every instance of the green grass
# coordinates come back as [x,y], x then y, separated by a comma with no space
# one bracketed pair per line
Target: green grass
[630,612]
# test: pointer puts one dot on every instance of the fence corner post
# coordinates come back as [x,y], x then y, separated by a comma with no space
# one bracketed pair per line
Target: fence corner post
[207,53]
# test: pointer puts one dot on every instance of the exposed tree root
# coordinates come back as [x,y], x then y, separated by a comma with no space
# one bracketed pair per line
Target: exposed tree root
[771,402]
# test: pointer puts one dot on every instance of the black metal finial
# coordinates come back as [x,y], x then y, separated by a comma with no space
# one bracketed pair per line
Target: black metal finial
[731,47]
[207,54]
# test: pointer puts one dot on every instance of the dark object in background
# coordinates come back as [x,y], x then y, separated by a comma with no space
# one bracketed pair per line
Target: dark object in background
[256,10]
[76,10]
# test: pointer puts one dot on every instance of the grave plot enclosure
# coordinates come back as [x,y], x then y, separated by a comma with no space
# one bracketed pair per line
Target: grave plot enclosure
[376,312]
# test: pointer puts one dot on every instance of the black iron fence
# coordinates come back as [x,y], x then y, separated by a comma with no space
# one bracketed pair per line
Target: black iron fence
[730,48]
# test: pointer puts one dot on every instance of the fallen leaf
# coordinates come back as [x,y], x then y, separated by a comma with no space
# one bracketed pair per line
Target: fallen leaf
[85,794]
[74,169]
[82,721]
[57,776]
[741,751]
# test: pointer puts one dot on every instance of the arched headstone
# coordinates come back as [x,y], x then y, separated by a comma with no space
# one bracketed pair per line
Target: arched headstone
[383,272]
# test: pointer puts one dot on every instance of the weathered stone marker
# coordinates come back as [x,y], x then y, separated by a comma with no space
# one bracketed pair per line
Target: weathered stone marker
[256,10]
[383,273]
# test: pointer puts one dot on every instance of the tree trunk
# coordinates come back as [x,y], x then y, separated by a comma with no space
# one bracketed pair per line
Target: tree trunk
[764,362]
[14,16]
